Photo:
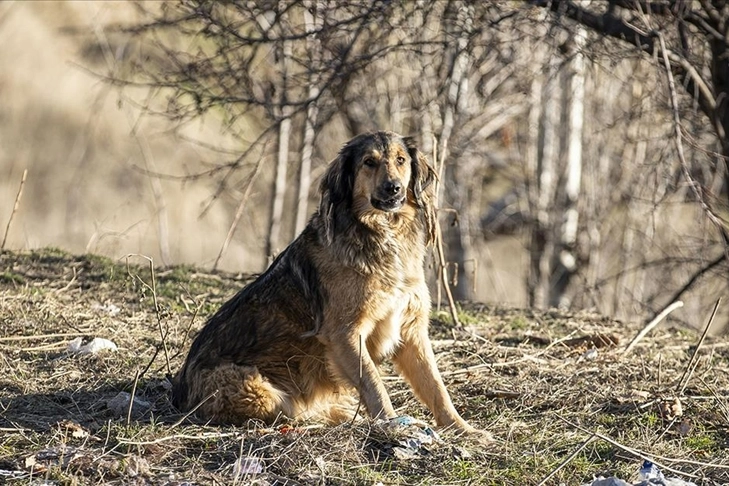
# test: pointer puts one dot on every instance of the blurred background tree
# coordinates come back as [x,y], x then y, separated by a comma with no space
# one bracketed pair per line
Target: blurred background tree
[573,174]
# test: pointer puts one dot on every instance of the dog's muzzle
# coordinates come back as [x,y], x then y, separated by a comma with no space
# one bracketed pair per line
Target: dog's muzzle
[390,196]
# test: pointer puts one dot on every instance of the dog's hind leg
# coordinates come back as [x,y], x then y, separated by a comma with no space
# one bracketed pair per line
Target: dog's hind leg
[234,394]
[338,408]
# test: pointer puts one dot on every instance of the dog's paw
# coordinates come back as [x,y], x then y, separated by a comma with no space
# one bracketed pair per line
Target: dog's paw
[482,436]
[465,429]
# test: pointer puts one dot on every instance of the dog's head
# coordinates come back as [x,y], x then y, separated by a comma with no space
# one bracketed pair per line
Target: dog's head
[378,172]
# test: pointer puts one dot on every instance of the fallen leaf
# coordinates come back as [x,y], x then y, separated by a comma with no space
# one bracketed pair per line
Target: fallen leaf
[76,430]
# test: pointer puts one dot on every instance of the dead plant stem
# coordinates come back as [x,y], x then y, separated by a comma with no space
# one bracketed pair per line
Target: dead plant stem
[567,460]
[648,327]
[40,336]
[194,409]
[238,212]
[691,366]
[157,310]
[629,450]
[15,209]
[443,269]
[131,398]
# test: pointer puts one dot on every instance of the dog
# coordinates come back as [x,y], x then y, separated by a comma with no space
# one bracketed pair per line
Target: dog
[347,293]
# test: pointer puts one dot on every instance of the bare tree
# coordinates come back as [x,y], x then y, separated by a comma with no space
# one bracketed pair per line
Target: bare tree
[688,40]
[300,77]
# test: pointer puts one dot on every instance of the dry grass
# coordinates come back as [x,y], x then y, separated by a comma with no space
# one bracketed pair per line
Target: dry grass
[524,375]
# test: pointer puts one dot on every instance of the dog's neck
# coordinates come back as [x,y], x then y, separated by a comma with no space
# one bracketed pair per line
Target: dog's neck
[373,241]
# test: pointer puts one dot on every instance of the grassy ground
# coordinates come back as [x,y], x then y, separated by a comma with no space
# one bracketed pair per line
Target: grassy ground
[559,411]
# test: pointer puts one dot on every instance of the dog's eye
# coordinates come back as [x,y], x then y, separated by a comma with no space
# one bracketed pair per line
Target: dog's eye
[370,162]
[400,160]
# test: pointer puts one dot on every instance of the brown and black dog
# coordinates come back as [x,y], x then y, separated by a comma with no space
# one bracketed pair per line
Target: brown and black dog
[349,292]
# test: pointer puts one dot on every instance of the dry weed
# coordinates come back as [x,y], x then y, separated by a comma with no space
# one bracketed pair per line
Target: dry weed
[555,389]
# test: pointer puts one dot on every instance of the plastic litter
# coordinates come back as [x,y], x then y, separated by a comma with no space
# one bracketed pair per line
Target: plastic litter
[405,421]
[92,347]
[247,466]
[611,481]
[650,471]
[417,437]
[649,475]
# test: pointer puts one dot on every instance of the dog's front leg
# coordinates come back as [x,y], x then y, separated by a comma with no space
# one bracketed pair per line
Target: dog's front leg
[353,362]
[416,361]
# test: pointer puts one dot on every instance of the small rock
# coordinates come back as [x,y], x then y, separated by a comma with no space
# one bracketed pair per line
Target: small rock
[120,405]
[461,453]
[110,309]
[136,466]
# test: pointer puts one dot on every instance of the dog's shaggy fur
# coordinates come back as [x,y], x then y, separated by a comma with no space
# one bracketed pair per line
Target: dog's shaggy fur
[349,292]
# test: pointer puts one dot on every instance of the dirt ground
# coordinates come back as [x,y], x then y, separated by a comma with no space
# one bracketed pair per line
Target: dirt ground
[563,401]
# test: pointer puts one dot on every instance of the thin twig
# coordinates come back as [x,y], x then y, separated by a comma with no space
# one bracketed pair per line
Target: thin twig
[359,400]
[186,334]
[204,436]
[678,139]
[15,209]
[16,430]
[151,360]
[43,348]
[238,212]
[648,327]
[157,310]
[567,460]
[443,270]
[68,285]
[194,409]
[690,367]
[629,450]
[40,336]
[131,398]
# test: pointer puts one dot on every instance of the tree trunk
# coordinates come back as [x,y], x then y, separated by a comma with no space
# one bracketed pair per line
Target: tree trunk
[542,240]
[458,236]
[567,260]
[284,134]
[312,21]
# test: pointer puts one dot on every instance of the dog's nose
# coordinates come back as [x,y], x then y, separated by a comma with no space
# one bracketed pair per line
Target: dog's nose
[392,188]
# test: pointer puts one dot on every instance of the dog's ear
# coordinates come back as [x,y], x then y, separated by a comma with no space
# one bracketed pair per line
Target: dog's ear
[336,189]
[422,186]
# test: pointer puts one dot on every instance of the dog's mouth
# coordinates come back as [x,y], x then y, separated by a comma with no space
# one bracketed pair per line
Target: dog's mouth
[388,205]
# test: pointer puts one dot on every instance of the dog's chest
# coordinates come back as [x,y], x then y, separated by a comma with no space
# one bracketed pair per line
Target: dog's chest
[385,335]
